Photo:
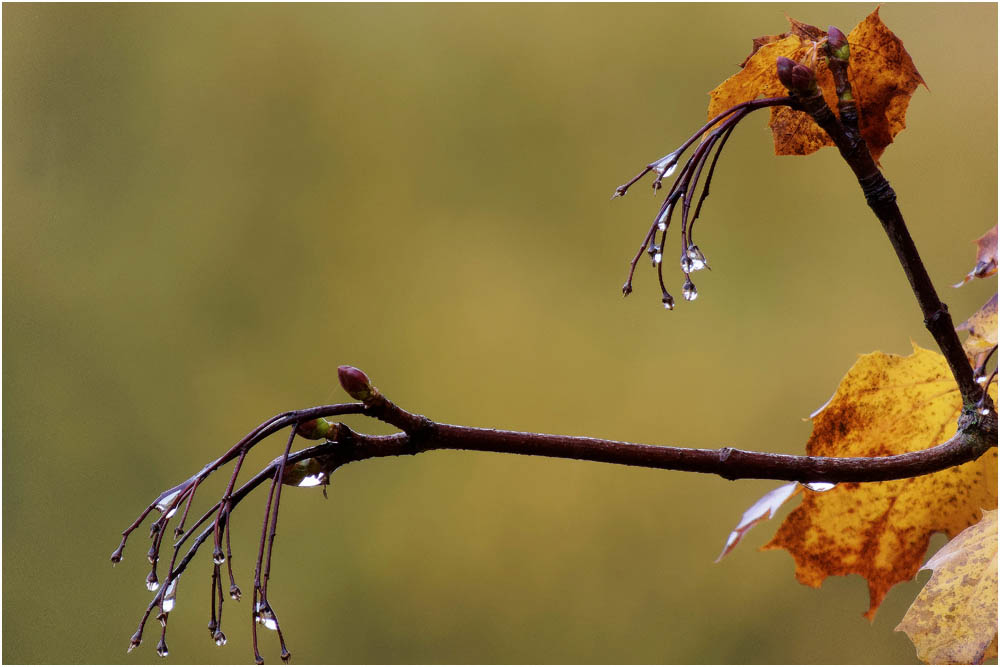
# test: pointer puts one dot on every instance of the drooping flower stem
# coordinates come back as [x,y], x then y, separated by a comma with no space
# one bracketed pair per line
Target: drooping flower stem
[672,158]
[683,189]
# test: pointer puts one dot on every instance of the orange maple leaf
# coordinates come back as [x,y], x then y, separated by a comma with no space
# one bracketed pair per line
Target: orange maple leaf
[881,72]
[954,618]
[986,257]
[886,404]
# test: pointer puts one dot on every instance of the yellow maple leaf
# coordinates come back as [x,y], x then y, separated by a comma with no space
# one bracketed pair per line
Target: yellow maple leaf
[982,328]
[882,75]
[954,619]
[886,404]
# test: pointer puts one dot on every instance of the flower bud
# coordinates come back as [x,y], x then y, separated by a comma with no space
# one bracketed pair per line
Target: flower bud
[796,77]
[803,78]
[356,383]
[785,66]
[314,429]
[836,44]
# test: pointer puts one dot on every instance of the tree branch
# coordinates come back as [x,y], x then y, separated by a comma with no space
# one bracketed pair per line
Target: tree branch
[976,434]
[976,430]
[882,200]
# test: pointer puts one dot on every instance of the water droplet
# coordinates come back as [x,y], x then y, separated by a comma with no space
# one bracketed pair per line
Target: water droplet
[661,222]
[220,638]
[285,656]
[151,582]
[169,596]
[687,265]
[819,487]
[161,649]
[697,257]
[984,411]
[690,291]
[266,617]
[134,642]
[666,165]
[163,503]
[668,302]
[657,258]
[162,618]
[980,379]
[312,480]
[235,592]
[171,512]
[218,557]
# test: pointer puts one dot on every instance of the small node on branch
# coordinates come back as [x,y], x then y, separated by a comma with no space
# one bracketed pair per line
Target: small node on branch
[356,384]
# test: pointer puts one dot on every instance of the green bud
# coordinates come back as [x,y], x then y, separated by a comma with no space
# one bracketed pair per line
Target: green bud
[315,429]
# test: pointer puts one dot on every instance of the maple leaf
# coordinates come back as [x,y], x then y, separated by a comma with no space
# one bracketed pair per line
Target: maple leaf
[765,508]
[886,404]
[882,75]
[986,257]
[982,328]
[802,30]
[954,618]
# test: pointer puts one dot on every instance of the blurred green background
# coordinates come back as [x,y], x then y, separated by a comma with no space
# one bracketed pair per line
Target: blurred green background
[207,208]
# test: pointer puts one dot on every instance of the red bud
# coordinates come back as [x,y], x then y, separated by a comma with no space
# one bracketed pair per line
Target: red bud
[356,383]
[785,66]
[796,77]
[836,44]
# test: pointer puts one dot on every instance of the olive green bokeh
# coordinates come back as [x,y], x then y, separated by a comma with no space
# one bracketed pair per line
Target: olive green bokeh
[208,208]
